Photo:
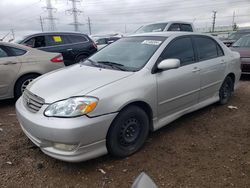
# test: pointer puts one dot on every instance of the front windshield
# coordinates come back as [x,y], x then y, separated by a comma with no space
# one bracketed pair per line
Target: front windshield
[130,53]
[243,42]
[236,36]
[159,27]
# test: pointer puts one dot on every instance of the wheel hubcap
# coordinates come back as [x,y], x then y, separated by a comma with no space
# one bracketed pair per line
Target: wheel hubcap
[25,84]
[226,91]
[130,132]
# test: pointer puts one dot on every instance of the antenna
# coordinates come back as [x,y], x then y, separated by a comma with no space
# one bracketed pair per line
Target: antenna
[75,12]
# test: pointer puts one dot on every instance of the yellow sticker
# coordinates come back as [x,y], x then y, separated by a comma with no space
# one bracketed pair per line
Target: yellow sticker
[57,38]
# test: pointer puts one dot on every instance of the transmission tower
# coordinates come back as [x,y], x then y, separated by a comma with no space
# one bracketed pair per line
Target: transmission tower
[214,18]
[75,12]
[50,9]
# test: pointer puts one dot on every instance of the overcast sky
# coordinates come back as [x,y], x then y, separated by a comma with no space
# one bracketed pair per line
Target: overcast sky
[119,15]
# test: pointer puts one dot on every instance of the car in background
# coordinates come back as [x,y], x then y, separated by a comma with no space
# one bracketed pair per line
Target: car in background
[166,26]
[74,47]
[110,102]
[233,37]
[243,47]
[103,40]
[19,65]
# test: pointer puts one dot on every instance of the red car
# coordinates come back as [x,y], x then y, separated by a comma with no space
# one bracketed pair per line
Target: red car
[243,47]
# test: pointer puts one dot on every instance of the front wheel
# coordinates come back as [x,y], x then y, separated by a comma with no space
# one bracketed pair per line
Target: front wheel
[22,83]
[226,90]
[128,132]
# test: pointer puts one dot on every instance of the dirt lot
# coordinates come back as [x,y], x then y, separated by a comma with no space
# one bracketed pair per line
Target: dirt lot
[208,148]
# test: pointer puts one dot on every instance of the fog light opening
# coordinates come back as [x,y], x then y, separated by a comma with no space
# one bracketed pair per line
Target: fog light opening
[64,147]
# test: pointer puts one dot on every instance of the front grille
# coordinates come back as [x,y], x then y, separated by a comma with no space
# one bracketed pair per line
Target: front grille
[32,102]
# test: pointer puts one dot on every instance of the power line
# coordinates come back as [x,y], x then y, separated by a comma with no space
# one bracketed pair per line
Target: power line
[75,12]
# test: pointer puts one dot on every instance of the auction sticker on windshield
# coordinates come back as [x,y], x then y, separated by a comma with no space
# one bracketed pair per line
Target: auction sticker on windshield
[152,42]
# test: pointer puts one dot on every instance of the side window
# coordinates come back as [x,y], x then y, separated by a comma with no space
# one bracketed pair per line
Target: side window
[181,49]
[77,38]
[54,40]
[186,27]
[101,41]
[206,47]
[174,27]
[17,51]
[30,42]
[3,53]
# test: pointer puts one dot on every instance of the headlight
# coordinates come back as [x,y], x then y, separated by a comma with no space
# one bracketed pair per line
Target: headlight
[72,107]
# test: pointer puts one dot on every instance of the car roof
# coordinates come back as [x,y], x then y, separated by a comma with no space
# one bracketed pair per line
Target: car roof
[168,34]
[15,45]
[57,32]
[165,22]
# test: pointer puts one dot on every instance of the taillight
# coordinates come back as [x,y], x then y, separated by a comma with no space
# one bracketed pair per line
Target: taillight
[57,59]
[94,44]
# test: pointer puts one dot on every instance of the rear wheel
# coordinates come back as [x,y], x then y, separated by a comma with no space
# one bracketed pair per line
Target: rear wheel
[81,58]
[128,132]
[22,83]
[226,90]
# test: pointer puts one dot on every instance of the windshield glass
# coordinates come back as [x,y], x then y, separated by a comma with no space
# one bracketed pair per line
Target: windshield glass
[130,53]
[159,27]
[243,42]
[236,36]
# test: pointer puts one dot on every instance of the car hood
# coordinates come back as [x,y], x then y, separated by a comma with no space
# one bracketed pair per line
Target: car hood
[77,80]
[244,52]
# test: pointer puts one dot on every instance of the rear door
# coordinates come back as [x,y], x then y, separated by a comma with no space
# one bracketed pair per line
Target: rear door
[179,88]
[212,65]
[9,68]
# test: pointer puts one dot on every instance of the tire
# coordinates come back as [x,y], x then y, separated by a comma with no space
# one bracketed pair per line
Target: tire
[226,90]
[128,132]
[22,83]
[80,58]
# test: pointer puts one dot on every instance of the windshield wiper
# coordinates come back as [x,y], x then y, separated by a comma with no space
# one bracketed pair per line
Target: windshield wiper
[113,65]
[93,63]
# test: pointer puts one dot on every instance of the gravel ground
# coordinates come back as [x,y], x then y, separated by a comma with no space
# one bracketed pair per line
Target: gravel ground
[207,148]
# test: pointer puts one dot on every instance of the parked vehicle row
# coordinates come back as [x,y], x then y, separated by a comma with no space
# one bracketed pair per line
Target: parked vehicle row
[110,102]
[19,65]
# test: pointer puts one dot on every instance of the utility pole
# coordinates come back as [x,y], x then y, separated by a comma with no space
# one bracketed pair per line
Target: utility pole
[50,18]
[214,18]
[89,24]
[75,12]
[125,28]
[41,22]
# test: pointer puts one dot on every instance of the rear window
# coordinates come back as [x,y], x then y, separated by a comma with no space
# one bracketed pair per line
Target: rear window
[17,51]
[186,27]
[77,38]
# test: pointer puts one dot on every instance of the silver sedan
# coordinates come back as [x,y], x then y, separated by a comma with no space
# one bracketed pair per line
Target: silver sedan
[111,101]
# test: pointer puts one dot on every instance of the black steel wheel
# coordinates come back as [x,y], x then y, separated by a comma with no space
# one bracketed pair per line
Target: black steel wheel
[128,132]
[226,90]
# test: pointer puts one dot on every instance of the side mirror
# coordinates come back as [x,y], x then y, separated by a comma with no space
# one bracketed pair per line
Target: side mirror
[169,64]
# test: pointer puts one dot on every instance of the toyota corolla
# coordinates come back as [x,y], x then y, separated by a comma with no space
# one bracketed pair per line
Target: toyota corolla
[111,101]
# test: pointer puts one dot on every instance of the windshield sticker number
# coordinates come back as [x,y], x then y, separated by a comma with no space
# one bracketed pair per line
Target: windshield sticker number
[152,42]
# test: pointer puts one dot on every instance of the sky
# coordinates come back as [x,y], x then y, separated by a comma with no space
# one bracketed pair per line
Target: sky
[108,16]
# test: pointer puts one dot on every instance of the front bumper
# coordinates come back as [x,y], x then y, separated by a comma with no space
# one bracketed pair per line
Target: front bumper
[87,134]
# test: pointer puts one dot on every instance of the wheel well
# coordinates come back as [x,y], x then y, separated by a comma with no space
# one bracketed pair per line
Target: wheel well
[34,73]
[232,76]
[144,106]
[84,53]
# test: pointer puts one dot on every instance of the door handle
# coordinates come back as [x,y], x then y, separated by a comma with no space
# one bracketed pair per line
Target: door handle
[70,49]
[10,63]
[196,69]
